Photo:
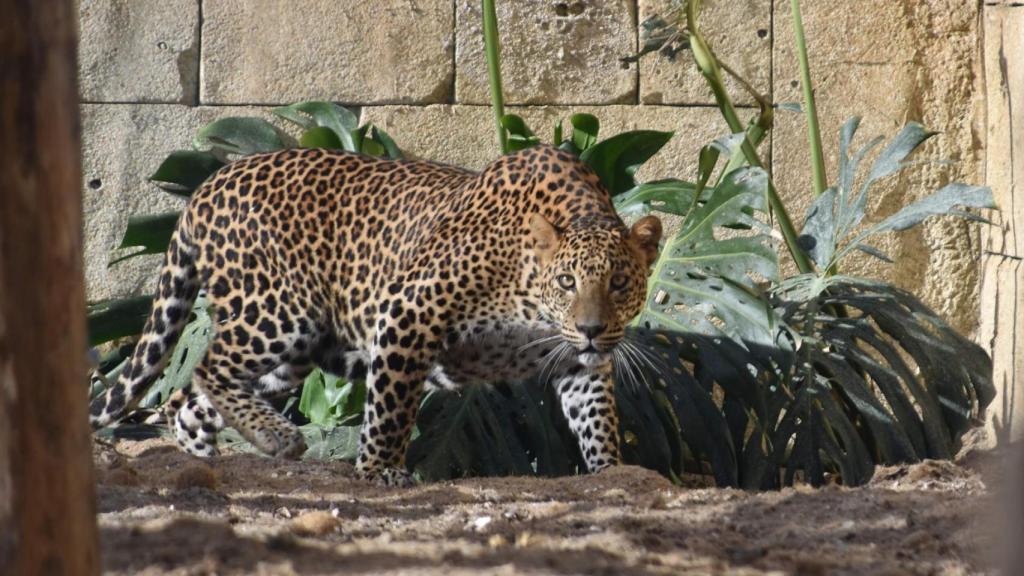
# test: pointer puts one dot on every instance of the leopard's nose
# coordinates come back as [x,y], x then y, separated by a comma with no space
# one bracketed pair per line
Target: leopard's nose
[591,331]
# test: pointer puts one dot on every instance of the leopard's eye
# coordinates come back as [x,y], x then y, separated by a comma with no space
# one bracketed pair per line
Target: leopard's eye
[619,281]
[566,281]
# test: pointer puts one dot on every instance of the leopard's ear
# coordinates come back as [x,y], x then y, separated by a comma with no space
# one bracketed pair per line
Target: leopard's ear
[644,236]
[545,238]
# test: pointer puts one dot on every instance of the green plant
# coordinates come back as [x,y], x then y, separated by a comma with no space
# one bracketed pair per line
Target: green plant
[810,105]
[799,386]
[615,159]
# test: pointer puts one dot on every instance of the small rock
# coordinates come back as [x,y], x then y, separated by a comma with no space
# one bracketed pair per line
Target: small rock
[811,567]
[316,523]
[615,493]
[122,476]
[479,524]
[196,475]
[658,501]
[916,539]
[511,515]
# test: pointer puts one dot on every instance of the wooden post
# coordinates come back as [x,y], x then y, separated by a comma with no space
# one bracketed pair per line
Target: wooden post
[47,504]
[1002,290]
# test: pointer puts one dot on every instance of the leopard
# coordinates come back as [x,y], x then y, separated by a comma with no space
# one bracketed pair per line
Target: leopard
[408,274]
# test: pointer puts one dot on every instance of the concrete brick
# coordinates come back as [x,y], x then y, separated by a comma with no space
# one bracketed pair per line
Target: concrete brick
[138,50]
[464,135]
[739,31]
[879,59]
[280,52]
[122,145]
[553,52]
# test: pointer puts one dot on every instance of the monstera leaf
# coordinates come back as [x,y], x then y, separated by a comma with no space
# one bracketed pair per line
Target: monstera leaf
[887,382]
[708,333]
[829,230]
[492,431]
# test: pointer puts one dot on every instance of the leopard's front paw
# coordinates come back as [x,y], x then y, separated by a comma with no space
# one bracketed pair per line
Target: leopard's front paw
[389,477]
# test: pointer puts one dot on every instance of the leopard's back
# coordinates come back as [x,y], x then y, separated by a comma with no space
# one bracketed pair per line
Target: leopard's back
[331,225]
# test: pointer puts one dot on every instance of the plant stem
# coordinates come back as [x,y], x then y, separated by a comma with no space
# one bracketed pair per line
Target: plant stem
[810,108]
[757,131]
[813,128]
[492,50]
[709,67]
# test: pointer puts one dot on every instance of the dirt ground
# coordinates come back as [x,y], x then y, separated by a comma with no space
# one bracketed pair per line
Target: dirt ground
[164,512]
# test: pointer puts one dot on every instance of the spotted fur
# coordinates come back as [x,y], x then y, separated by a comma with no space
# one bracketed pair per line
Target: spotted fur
[402,272]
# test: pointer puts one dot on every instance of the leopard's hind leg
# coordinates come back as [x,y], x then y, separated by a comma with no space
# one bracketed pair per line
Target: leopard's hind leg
[196,422]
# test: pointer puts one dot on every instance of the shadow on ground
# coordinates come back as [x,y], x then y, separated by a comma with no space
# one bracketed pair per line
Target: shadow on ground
[163,512]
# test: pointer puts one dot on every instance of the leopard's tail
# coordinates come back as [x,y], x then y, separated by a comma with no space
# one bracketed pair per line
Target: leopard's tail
[176,292]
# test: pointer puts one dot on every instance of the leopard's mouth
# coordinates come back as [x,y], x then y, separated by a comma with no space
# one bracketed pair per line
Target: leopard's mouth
[593,354]
[591,359]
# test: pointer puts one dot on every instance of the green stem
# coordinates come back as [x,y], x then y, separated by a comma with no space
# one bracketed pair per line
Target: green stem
[492,50]
[810,108]
[709,67]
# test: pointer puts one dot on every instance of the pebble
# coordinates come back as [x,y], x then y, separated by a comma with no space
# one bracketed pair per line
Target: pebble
[316,523]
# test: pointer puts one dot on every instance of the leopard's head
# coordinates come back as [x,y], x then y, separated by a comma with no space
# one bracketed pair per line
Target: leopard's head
[593,278]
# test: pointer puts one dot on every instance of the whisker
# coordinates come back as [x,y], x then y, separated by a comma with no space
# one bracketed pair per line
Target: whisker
[653,360]
[544,360]
[635,358]
[566,349]
[659,368]
[617,365]
[625,368]
[538,342]
[551,360]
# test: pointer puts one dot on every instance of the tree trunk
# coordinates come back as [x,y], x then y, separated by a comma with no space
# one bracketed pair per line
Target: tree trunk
[47,505]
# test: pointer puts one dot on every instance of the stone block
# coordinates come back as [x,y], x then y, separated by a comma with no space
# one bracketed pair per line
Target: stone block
[740,33]
[138,50]
[280,52]
[122,145]
[552,52]
[1002,285]
[880,60]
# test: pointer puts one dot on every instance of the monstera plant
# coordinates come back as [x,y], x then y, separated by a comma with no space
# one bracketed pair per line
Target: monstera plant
[730,368]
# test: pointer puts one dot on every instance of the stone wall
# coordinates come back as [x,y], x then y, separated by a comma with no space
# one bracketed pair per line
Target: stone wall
[1002,287]
[153,71]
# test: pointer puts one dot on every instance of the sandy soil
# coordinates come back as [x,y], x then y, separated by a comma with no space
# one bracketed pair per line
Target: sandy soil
[163,512]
